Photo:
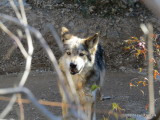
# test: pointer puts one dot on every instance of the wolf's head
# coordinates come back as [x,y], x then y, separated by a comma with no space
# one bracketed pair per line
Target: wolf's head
[79,52]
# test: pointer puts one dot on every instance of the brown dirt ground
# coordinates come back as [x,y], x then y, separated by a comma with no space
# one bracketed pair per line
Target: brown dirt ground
[113,30]
[44,86]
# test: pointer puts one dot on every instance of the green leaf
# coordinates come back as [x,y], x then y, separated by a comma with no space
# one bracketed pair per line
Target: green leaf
[116,107]
[93,87]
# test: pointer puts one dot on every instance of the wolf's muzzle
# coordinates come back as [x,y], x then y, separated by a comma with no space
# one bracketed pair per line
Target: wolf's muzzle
[73,68]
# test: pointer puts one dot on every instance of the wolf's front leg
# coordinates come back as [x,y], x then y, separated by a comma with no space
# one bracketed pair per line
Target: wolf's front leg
[64,103]
[88,110]
[64,109]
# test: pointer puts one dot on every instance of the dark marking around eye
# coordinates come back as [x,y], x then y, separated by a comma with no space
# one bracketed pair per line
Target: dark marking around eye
[68,53]
[81,54]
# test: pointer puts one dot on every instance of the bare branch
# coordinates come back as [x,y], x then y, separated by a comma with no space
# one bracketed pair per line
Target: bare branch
[148,30]
[47,49]
[20,107]
[23,23]
[17,40]
[31,97]
[10,51]
[15,9]
[8,107]
[153,5]
[150,72]
[23,20]
[55,35]
[43,43]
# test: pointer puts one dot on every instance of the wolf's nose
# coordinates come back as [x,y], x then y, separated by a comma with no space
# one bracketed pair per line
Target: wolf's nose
[72,65]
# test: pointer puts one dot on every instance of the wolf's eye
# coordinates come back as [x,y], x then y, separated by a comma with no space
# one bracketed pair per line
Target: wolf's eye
[68,53]
[81,54]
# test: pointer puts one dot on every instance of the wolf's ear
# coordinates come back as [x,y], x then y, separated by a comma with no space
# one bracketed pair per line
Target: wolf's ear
[64,30]
[65,35]
[92,41]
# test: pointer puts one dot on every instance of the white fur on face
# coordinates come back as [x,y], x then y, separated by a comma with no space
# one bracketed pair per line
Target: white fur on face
[74,41]
[80,63]
[77,60]
[74,47]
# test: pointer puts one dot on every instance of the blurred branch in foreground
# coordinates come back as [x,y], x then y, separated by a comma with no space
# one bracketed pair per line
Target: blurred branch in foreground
[148,32]
[31,97]
[22,22]
[154,6]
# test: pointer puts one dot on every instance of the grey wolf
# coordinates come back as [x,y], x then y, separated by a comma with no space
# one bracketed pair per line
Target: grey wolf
[84,59]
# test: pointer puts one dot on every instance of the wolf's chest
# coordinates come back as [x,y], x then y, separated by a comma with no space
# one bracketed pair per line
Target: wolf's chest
[83,90]
[79,81]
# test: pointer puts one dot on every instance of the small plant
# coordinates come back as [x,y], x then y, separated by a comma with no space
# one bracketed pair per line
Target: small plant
[93,87]
[137,47]
[116,112]
[117,108]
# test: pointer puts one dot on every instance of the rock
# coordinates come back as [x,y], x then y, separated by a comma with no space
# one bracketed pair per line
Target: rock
[141,19]
[130,9]
[71,24]
[111,24]
[117,21]
[76,5]
[122,68]
[91,9]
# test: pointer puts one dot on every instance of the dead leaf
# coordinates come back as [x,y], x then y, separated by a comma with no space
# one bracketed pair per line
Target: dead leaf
[155,73]
[147,107]
[131,85]
[140,69]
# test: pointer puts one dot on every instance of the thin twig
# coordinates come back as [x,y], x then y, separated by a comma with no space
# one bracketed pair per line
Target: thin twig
[31,97]
[30,45]
[28,55]
[43,43]
[15,38]
[20,107]
[148,31]
[15,9]
[38,35]
[10,51]
[55,35]
[43,102]
[150,72]
[8,108]
[154,6]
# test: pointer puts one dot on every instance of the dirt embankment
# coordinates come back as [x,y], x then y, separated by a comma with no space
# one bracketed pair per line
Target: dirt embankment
[113,28]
